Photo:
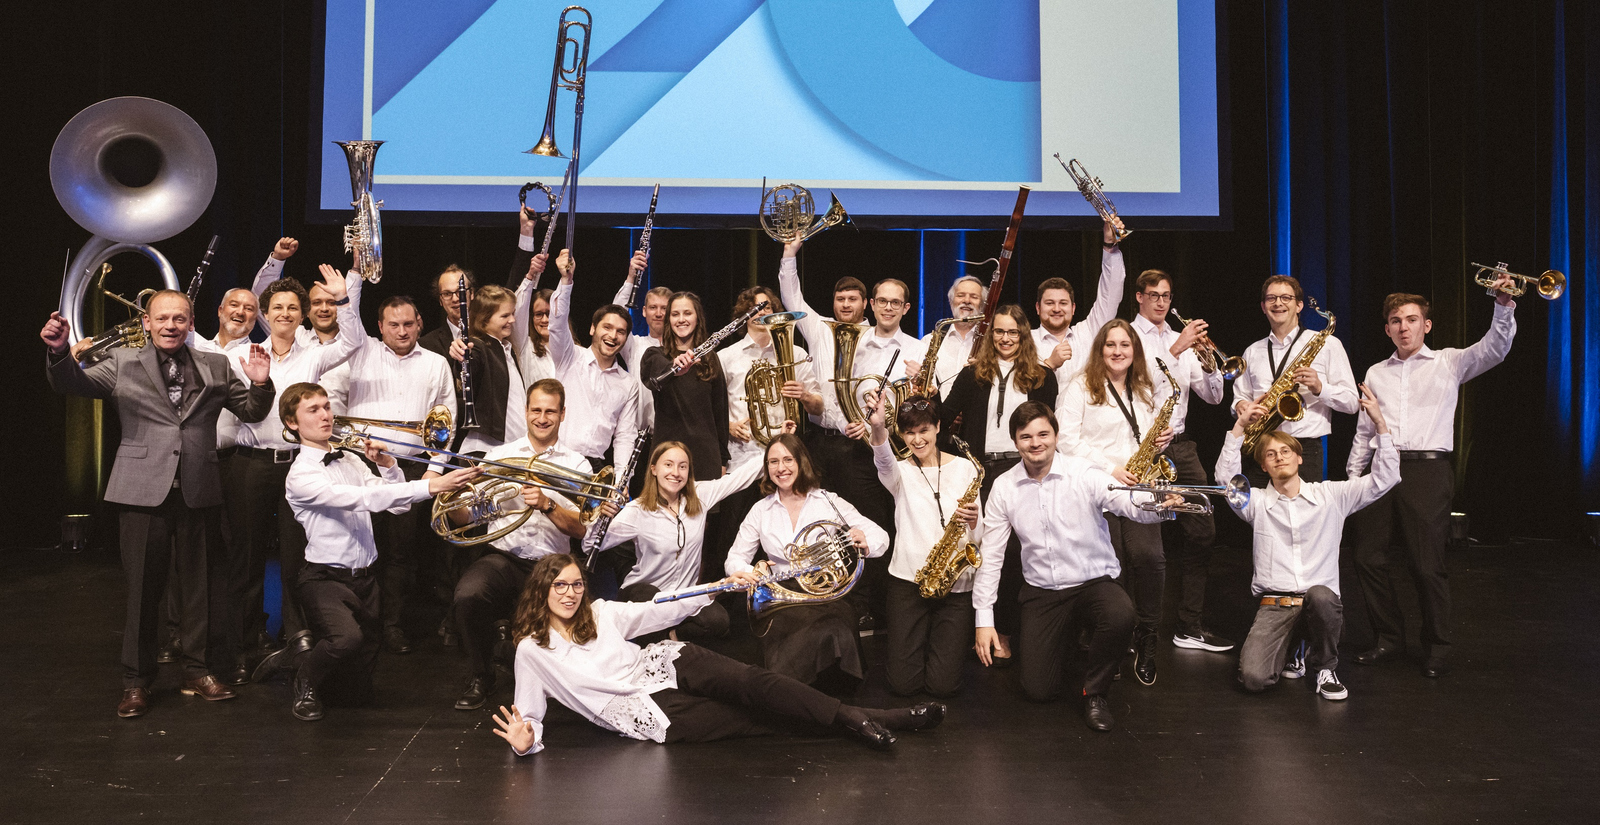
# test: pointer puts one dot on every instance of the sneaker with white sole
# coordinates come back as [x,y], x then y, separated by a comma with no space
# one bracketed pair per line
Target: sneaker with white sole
[1329,686]
[1201,640]
[1295,668]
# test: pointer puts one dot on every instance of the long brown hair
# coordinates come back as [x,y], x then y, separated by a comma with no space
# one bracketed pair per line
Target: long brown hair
[1095,374]
[486,300]
[541,343]
[650,497]
[532,617]
[707,368]
[1029,373]
[806,480]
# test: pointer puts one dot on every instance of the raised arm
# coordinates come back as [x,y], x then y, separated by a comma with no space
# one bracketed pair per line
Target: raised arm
[351,336]
[310,488]
[271,271]
[1108,294]
[739,476]
[1492,348]
[562,349]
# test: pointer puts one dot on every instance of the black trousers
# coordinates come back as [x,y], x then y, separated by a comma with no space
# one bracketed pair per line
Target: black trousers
[711,622]
[487,593]
[341,611]
[1310,465]
[928,640]
[170,537]
[806,640]
[399,551]
[1199,532]
[1420,507]
[1051,620]
[1007,613]
[1144,566]
[846,467]
[258,514]
[719,698]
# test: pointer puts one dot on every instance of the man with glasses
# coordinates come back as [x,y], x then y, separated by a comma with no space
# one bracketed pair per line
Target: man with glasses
[1327,385]
[1153,293]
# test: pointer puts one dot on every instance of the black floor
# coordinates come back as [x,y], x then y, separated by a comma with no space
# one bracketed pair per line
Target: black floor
[1508,737]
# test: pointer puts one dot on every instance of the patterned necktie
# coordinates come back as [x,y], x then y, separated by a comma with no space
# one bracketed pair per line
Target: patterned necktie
[174,382]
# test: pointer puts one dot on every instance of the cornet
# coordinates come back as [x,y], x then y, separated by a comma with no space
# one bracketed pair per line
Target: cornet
[1236,491]
[1212,358]
[1550,284]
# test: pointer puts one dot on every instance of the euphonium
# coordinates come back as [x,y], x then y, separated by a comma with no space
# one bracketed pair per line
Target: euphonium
[1146,464]
[499,496]
[435,429]
[763,384]
[363,236]
[955,551]
[1282,399]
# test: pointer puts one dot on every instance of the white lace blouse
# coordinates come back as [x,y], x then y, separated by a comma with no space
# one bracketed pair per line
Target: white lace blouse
[609,680]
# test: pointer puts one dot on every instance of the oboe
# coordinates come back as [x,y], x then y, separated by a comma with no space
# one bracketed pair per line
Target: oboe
[469,410]
[644,247]
[712,343]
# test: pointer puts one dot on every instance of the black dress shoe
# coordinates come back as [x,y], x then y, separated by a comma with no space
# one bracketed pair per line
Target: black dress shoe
[274,662]
[1379,653]
[169,653]
[237,675]
[307,707]
[876,736]
[395,641]
[475,695]
[135,702]
[1435,667]
[1097,713]
[1144,657]
[927,715]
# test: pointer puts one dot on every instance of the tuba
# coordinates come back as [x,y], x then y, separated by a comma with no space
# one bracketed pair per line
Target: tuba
[763,384]
[132,171]
[364,235]
[789,214]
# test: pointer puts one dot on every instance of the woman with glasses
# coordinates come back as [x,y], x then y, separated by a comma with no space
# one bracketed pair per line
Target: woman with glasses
[667,525]
[1005,373]
[691,404]
[576,650]
[814,639]
[1105,413]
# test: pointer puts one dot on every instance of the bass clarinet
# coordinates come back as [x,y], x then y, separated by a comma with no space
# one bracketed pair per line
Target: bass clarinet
[711,343]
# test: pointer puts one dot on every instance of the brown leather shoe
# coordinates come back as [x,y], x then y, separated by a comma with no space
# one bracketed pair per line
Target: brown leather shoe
[134,703]
[208,688]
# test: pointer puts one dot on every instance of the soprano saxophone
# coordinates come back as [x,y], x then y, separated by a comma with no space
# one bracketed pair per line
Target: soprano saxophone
[1147,465]
[955,551]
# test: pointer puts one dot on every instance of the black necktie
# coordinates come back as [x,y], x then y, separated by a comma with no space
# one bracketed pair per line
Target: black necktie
[174,381]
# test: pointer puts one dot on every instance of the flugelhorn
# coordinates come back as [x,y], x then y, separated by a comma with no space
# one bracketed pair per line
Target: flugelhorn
[1094,192]
[363,236]
[435,429]
[789,214]
[1236,491]
[572,77]
[1550,284]
[1212,358]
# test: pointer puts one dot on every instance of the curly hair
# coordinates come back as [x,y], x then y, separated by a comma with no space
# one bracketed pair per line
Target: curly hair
[532,617]
[1029,373]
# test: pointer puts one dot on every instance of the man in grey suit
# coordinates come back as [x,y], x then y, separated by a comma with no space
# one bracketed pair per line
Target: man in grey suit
[166,477]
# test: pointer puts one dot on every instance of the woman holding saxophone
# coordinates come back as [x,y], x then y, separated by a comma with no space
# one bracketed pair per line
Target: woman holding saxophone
[927,636]
[1106,414]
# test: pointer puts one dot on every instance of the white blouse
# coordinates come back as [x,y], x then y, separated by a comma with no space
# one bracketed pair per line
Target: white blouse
[1100,433]
[998,418]
[917,513]
[669,543]
[609,680]
[768,528]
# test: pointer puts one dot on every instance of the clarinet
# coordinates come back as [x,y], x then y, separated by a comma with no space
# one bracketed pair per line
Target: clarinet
[469,409]
[644,246]
[712,343]
[596,539]
[200,271]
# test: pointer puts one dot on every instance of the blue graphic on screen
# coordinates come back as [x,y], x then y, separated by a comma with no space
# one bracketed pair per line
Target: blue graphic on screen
[903,107]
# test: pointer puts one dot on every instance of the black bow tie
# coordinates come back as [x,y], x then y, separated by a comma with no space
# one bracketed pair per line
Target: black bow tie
[332,456]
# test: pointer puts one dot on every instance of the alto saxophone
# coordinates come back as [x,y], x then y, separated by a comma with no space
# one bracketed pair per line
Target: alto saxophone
[1146,465]
[955,551]
[1283,401]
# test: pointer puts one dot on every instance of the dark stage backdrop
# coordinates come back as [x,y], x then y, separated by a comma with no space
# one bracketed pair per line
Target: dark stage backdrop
[1376,147]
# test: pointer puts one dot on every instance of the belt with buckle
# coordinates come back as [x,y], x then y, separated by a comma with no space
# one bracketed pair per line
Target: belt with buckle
[1425,455]
[277,456]
[1282,601]
[1001,456]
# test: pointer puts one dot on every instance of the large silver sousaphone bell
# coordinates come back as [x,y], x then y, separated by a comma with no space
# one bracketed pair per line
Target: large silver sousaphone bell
[132,171]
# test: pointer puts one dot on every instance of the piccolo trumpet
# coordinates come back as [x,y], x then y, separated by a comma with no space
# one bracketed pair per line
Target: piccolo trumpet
[1550,284]
[1236,491]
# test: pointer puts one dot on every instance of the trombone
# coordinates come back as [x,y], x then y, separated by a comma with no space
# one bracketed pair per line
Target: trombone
[1212,358]
[1236,491]
[1550,284]
[572,78]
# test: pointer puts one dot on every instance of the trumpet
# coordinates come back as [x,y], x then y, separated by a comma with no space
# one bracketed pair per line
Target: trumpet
[788,213]
[1550,284]
[1093,192]
[1236,491]
[435,429]
[1212,358]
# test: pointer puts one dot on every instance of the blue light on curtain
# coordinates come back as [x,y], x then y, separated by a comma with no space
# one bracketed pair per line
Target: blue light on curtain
[1278,133]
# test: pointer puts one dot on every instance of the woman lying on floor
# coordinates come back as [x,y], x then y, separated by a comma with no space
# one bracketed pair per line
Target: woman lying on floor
[577,651]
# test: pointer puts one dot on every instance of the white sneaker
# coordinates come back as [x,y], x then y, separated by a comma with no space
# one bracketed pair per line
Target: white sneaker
[1329,686]
[1295,668]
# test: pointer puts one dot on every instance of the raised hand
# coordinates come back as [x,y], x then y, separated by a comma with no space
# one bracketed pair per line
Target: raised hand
[637,264]
[1374,411]
[257,365]
[536,266]
[566,265]
[792,248]
[285,248]
[510,726]
[334,282]
[56,332]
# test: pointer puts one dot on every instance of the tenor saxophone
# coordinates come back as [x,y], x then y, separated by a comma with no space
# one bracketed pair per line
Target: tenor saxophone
[955,551]
[1146,464]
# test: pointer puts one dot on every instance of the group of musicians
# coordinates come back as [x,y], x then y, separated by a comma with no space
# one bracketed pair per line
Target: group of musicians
[1023,440]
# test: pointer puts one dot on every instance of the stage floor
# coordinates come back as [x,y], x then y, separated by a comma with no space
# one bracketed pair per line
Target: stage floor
[1509,736]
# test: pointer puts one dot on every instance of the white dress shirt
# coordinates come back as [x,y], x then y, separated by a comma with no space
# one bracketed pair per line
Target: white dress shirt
[917,513]
[1297,539]
[997,421]
[1100,433]
[602,404]
[333,502]
[227,422]
[1157,342]
[1418,395]
[669,542]
[819,339]
[632,352]
[767,527]
[1108,296]
[736,361]
[1059,521]
[1332,365]
[538,536]
[305,363]
[377,383]
[609,680]
[952,357]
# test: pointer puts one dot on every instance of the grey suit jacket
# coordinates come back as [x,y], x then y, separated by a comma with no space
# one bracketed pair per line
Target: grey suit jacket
[158,442]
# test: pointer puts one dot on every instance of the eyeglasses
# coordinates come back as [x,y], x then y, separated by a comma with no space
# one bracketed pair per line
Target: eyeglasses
[1278,299]
[563,587]
[1158,296]
[917,403]
[889,303]
[542,314]
[1007,333]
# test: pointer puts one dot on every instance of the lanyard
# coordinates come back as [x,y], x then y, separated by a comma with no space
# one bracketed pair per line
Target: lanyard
[1127,411]
[1277,368]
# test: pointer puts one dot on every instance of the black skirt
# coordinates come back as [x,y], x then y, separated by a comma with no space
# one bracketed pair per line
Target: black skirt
[804,640]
